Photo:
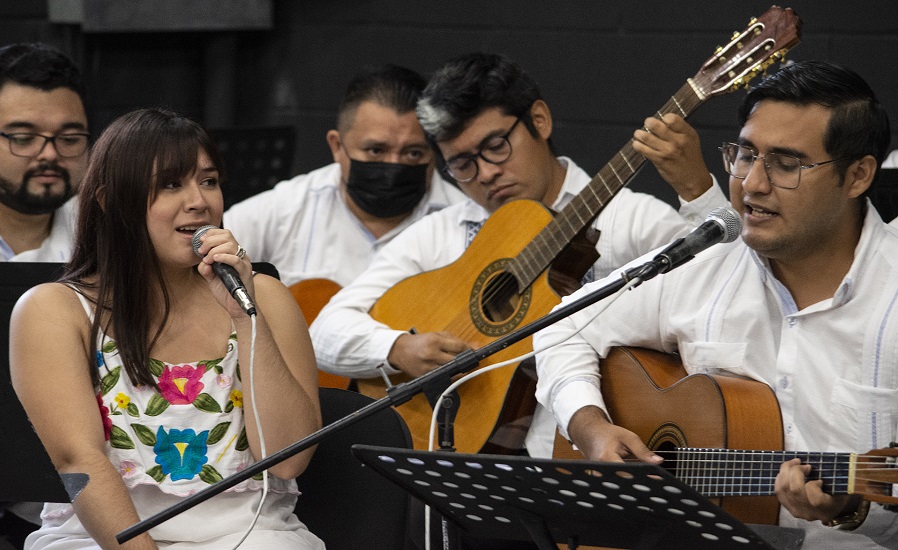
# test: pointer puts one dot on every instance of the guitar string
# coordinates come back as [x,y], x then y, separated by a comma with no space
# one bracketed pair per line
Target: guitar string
[831,467]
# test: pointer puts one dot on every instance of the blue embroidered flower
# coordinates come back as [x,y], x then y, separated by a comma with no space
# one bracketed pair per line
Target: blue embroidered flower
[181,453]
[100,360]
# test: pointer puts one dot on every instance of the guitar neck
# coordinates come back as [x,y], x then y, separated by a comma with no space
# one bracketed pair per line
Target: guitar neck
[726,472]
[587,204]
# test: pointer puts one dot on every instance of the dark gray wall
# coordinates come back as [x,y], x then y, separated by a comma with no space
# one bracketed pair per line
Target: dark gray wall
[603,66]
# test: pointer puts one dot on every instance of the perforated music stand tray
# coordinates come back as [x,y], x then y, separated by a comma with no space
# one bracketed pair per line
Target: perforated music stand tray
[28,473]
[622,505]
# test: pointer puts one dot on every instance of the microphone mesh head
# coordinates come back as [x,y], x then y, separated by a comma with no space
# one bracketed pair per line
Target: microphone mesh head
[730,220]
[197,235]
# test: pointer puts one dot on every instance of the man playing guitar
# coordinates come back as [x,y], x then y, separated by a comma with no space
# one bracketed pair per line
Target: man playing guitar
[803,302]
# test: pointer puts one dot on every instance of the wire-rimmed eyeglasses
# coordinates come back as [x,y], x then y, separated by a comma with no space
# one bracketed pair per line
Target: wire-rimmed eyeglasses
[782,170]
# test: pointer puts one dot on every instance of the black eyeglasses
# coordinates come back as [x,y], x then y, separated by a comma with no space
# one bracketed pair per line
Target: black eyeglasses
[26,144]
[463,168]
[782,170]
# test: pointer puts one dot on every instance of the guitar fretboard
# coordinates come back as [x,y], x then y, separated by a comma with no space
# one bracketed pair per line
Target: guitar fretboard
[726,472]
[584,207]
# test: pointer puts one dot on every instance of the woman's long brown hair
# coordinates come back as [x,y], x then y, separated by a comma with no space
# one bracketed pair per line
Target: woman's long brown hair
[114,257]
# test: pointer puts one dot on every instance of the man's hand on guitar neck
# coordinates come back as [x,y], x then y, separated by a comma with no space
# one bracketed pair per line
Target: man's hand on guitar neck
[417,354]
[673,146]
[805,499]
[599,439]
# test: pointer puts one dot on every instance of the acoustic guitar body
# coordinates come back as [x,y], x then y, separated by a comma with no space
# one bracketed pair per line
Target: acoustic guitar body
[312,295]
[476,300]
[649,393]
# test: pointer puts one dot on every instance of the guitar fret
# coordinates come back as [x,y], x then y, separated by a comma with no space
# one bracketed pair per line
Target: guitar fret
[682,112]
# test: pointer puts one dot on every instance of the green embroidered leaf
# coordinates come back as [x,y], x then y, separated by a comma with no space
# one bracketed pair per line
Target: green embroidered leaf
[109,347]
[206,403]
[156,406]
[238,372]
[213,364]
[132,410]
[229,406]
[210,475]
[217,433]
[156,473]
[119,439]
[116,412]
[242,442]
[144,434]
[156,367]
[110,380]
[258,477]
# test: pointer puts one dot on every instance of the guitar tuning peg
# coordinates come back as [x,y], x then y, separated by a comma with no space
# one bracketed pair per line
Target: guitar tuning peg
[752,21]
[735,36]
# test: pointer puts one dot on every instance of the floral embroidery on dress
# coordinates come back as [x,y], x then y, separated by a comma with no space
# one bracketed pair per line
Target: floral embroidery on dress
[157,437]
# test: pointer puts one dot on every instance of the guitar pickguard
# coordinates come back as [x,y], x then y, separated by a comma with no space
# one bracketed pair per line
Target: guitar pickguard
[495,306]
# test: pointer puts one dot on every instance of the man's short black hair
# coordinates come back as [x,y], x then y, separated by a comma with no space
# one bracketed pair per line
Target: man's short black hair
[389,85]
[40,66]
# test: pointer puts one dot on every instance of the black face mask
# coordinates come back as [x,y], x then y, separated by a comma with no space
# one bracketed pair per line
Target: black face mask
[386,189]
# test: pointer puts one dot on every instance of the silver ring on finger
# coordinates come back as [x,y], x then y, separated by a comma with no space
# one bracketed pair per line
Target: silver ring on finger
[241,252]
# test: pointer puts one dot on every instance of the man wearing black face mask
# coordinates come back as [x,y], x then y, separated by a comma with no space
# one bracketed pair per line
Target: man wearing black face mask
[43,152]
[328,224]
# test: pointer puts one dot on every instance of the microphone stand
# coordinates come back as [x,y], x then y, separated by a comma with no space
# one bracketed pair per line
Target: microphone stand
[396,395]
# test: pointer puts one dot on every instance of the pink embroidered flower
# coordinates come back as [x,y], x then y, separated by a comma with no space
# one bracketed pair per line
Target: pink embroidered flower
[127,468]
[104,415]
[181,385]
[223,381]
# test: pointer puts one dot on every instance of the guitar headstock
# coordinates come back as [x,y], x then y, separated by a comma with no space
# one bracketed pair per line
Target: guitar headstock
[765,41]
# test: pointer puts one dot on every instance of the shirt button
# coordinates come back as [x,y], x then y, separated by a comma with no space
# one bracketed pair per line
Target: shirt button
[784,382]
[792,321]
[788,428]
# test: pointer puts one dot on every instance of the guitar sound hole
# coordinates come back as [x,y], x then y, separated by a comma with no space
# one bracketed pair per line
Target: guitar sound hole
[500,299]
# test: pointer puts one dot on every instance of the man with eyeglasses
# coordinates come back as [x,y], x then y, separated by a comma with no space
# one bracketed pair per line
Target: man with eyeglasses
[43,154]
[492,128]
[44,127]
[804,302]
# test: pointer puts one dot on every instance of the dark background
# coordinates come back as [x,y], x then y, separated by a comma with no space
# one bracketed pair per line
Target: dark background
[603,65]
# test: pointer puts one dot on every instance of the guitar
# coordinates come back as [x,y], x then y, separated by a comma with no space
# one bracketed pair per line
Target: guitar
[708,428]
[503,280]
[312,295]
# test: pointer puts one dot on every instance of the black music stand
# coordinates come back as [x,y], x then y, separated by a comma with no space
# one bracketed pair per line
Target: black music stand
[622,505]
[29,475]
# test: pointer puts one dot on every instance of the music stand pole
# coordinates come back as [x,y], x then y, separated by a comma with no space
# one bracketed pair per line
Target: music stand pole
[396,395]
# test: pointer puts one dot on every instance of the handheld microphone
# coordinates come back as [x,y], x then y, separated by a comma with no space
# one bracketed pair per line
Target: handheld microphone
[722,225]
[227,274]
